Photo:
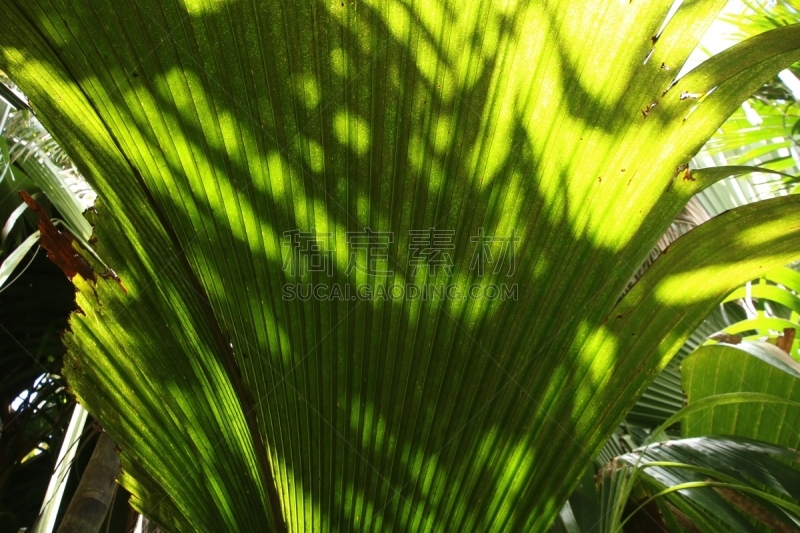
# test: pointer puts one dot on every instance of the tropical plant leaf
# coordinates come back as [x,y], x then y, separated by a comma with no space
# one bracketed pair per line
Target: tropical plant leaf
[6,159]
[751,143]
[47,177]
[58,482]
[13,217]
[764,325]
[583,513]
[664,397]
[567,520]
[210,130]
[764,16]
[722,484]
[718,173]
[787,277]
[710,402]
[771,293]
[749,367]
[615,484]
[12,261]
[763,131]
[773,306]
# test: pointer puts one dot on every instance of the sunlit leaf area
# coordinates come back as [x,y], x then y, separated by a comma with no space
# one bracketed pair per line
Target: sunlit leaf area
[394,265]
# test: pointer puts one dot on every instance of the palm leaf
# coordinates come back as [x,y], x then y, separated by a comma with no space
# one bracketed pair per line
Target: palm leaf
[750,367]
[764,130]
[664,397]
[724,484]
[16,256]
[209,130]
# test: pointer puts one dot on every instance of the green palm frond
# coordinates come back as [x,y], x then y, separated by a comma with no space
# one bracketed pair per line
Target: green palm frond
[216,132]
[750,367]
[722,483]
[764,131]
[32,161]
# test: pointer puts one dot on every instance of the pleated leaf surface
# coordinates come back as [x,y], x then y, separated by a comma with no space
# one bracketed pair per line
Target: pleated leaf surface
[241,149]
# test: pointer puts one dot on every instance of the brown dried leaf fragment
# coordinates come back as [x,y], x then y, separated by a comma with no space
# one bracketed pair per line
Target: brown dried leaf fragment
[646,110]
[59,245]
[110,274]
[785,341]
[727,338]
[61,251]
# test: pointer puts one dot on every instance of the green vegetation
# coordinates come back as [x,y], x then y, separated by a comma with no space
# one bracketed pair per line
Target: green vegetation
[220,134]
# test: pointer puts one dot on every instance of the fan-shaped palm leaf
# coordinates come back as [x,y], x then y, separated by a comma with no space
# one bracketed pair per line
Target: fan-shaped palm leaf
[212,130]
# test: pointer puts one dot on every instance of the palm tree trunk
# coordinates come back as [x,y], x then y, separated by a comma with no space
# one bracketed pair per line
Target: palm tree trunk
[89,506]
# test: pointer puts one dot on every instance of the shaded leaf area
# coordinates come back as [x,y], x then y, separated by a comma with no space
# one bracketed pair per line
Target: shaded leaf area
[210,129]
[665,396]
[722,483]
[693,215]
[747,367]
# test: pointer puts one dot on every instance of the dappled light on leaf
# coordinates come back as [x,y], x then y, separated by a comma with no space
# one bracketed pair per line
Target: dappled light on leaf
[375,250]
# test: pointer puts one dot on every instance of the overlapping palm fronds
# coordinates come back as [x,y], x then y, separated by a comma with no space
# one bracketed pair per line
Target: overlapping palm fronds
[239,408]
